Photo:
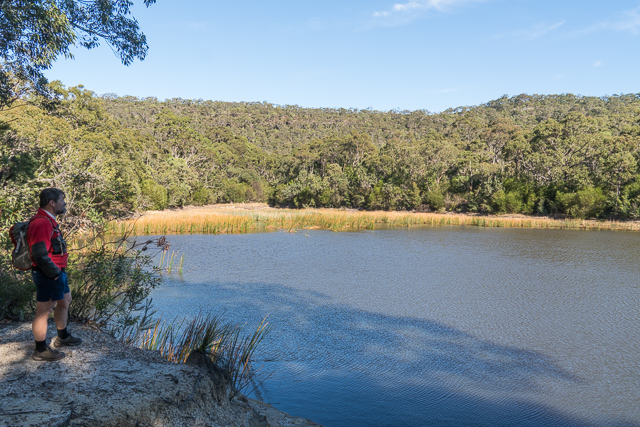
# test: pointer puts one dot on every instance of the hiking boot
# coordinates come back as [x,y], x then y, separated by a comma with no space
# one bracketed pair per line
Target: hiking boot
[69,340]
[48,355]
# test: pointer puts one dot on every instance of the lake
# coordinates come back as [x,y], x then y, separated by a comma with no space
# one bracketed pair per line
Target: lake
[439,326]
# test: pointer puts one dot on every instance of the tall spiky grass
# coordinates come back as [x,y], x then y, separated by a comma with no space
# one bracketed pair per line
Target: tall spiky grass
[224,345]
[221,219]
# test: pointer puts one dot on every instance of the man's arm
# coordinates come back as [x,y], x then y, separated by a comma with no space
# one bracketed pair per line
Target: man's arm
[40,254]
[40,231]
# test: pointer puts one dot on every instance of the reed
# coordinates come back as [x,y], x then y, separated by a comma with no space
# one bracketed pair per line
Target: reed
[169,262]
[181,266]
[162,257]
[229,219]
[223,344]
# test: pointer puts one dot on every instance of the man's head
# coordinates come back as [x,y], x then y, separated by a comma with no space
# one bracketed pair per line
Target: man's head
[52,200]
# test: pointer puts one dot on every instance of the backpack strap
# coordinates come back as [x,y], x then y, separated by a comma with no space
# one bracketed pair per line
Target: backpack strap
[55,227]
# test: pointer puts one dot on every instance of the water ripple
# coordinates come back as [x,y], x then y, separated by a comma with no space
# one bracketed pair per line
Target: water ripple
[433,326]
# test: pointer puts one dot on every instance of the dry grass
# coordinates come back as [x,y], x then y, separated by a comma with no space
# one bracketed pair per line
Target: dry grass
[243,219]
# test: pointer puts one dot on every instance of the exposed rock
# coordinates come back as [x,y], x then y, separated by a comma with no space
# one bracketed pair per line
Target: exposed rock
[106,383]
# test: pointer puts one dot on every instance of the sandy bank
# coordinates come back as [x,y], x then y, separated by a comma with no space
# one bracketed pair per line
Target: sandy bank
[106,383]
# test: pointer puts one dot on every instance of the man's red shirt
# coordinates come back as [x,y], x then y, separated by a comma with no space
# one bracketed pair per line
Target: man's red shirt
[41,229]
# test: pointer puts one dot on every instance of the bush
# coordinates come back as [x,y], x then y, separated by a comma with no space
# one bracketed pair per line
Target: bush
[17,290]
[510,202]
[305,191]
[202,196]
[386,196]
[17,301]
[630,208]
[257,192]
[325,197]
[276,195]
[435,200]
[110,283]
[413,197]
[589,202]
[234,191]
[454,202]
[154,195]
[629,201]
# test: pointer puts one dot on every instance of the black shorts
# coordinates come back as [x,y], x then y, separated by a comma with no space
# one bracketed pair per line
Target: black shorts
[50,289]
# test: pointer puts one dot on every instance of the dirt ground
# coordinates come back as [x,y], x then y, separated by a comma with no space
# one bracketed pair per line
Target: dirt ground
[103,382]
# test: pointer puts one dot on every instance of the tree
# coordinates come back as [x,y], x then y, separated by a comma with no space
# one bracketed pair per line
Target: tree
[34,33]
[566,153]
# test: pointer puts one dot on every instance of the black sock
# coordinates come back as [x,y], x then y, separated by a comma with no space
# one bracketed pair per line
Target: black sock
[41,345]
[62,333]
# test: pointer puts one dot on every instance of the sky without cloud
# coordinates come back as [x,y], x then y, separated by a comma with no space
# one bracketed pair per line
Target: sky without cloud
[408,55]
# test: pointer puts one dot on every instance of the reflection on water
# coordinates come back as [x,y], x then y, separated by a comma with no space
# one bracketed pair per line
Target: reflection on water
[430,326]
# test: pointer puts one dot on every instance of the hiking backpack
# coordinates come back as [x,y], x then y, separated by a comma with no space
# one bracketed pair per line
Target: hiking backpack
[21,254]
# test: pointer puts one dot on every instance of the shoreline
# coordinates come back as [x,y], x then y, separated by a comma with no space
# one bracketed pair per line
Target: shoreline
[105,382]
[250,217]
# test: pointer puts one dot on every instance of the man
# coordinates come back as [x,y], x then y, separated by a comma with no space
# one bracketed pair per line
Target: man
[49,255]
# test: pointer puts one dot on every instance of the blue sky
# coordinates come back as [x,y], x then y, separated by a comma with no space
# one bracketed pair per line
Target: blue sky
[406,55]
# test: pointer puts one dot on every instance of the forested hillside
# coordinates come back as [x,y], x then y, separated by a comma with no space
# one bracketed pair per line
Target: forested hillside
[531,154]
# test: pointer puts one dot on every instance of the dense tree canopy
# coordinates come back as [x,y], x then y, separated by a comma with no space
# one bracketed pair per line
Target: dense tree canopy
[530,154]
[34,33]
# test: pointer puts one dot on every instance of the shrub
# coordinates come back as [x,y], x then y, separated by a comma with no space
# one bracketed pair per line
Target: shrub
[510,202]
[629,201]
[154,195]
[17,301]
[413,196]
[202,196]
[276,195]
[587,203]
[17,290]
[111,281]
[325,197]
[234,191]
[386,196]
[304,198]
[454,202]
[435,200]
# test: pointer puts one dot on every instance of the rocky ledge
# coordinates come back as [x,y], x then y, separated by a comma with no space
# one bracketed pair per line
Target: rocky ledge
[104,382]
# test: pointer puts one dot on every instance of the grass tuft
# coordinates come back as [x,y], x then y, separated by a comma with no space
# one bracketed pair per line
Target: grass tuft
[224,345]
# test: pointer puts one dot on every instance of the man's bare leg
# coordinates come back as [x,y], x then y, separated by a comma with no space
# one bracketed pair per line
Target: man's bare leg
[39,325]
[62,311]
